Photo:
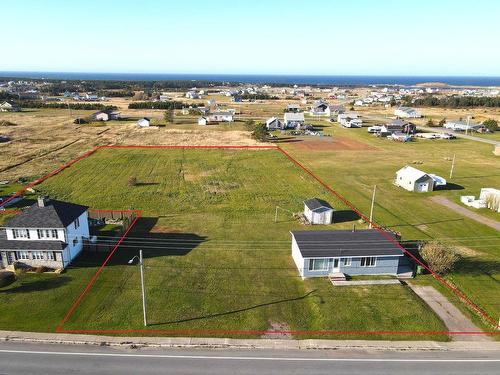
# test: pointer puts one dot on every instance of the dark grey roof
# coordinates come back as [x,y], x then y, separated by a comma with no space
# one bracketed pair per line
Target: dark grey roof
[316,203]
[31,245]
[345,243]
[54,214]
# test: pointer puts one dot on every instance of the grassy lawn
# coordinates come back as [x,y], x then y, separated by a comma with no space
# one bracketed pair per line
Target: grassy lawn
[214,257]
[353,173]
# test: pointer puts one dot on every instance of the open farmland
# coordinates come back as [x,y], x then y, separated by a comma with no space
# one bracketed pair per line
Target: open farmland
[215,259]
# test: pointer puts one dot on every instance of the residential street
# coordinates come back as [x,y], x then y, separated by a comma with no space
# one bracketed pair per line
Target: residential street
[63,359]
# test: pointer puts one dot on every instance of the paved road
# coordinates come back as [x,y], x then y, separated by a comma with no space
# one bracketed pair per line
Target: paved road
[64,359]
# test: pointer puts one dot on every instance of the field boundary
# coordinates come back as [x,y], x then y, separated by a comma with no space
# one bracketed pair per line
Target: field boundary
[482,314]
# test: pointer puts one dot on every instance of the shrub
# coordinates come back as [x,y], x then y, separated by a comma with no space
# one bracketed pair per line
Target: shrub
[41,269]
[132,181]
[439,257]
[491,125]
[7,278]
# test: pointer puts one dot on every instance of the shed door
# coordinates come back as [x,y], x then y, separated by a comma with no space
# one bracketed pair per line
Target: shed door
[423,187]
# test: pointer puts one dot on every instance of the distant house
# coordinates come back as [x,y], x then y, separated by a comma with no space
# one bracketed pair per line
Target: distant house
[49,233]
[144,122]
[292,108]
[9,107]
[193,95]
[357,252]
[318,211]
[105,115]
[398,126]
[202,121]
[349,120]
[164,98]
[320,108]
[336,110]
[293,120]
[413,179]
[221,116]
[460,125]
[274,123]
[407,112]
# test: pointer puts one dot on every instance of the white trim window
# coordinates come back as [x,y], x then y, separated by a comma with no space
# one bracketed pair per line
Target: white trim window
[368,262]
[47,233]
[38,255]
[77,223]
[75,241]
[51,255]
[318,264]
[20,233]
[347,262]
[23,255]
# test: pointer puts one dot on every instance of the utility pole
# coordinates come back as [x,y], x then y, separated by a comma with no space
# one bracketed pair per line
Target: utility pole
[467,127]
[452,166]
[143,289]
[371,208]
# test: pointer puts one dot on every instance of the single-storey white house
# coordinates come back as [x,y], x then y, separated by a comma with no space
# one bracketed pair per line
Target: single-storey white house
[221,116]
[413,179]
[274,123]
[144,122]
[320,108]
[9,107]
[318,211]
[49,233]
[202,121]
[192,94]
[319,253]
[293,119]
[407,112]
[292,108]
[106,115]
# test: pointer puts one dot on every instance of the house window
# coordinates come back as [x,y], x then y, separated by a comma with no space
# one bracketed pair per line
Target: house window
[37,255]
[75,241]
[23,255]
[347,262]
[318,264]
[51,255]
[20,233]
[368,261]
[54,233]
[77,223]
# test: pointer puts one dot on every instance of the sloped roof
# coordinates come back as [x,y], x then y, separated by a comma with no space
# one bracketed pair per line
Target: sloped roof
[345,243]
[54,214]
[292,116]
[315,203]
[412,173]
[32,245]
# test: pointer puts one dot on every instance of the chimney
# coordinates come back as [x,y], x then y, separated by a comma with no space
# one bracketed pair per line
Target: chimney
[42,201]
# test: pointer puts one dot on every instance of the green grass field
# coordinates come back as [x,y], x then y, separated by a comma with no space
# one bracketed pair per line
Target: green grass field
[354,173]
[215,259]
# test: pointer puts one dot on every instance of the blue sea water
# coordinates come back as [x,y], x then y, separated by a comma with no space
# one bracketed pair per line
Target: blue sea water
[340,80]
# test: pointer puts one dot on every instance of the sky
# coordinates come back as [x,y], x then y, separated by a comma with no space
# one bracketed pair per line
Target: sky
[310,37]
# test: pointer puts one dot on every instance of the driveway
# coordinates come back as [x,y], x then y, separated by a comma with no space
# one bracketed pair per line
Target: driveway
[466,212]
[451,316]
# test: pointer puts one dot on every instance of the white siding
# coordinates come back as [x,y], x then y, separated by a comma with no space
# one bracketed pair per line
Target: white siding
[297,257]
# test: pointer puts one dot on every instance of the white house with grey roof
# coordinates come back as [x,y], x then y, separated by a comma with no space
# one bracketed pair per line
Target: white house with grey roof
[407,112]
[413,179]
[49,233]
[293,120]
[320,253]
[318,211]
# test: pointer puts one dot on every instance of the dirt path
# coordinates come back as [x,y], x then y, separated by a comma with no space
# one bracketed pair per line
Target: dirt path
[465,212]
[449,314]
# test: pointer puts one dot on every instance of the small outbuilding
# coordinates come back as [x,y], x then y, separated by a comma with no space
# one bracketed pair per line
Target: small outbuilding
[413,179]
[273,123]
[144,122]
[318,211]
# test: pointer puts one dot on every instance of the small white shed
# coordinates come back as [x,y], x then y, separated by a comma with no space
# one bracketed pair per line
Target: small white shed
[202,121]
[413,179]
[317,211]
[144,122]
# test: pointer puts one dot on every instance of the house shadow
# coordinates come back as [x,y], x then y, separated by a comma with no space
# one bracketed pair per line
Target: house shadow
[236,311]
[450,186]
[146,183]
[38,285]
[343,216]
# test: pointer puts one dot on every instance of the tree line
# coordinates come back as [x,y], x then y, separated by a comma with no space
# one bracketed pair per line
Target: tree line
[60,105]
[456,102]
[161,105]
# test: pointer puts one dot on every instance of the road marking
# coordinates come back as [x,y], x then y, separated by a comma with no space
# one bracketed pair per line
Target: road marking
[242,358]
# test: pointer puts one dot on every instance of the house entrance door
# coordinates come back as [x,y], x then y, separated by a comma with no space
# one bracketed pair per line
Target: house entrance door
[335,265]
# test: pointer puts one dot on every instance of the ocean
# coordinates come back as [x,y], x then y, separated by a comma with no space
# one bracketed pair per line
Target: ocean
[341,80]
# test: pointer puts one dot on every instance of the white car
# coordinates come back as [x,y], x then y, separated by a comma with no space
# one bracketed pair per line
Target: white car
[374,129]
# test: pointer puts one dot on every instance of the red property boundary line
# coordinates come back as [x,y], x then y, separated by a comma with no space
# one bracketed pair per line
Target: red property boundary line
[59,328]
